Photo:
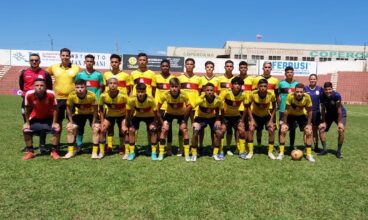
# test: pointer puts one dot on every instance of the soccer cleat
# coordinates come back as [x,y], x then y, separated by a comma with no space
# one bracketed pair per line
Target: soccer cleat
[310,158]
[180,152]
[101,155]
[187,158]
[109,151]
[154,156]
[28,155]
[194,158]
[54,154]
[317,150]
[322,153]
[43,149]
[131,156]
[160,157]
[221,156]
[271,156]
[338,155]
[229,153]
[68,155]
[125,156]
[280,157]
[121,150]
[242,156]
[249,156]
[217,157]
[94,156]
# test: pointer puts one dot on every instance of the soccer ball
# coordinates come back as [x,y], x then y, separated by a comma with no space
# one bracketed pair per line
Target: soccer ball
[296,154]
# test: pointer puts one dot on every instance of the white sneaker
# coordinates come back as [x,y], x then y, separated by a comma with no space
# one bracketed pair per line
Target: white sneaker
[310,158]
[68,155]
[229,153]
[194,158]
[160,157]
[271,156]
[216,157]
[187,158]
[280,156]
[249,156]
[101,155]
[94,156]
[125,156]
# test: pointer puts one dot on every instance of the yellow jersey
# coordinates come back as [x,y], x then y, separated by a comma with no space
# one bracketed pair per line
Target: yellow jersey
[260,106]
[204,80]
[298,108]
[224,84]
[175,105]
[204,109]
[64,79]
[85,106]
[114,107]
[142,109]
[273,83]
[124,81]
[247,88]
[148,77]
[190,85]
[162,86]
[232,103]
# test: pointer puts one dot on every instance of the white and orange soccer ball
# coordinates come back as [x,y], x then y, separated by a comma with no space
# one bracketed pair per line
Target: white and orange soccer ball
[296,154]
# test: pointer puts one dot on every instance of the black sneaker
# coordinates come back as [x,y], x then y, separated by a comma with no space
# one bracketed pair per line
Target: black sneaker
[317,150]
[338,155]
[322,153]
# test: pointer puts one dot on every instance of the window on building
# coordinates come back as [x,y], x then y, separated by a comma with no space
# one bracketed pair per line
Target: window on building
[274,57]
[291,58]
[324,59]
[308,58]
[244,57]
[257,57]
[342,58]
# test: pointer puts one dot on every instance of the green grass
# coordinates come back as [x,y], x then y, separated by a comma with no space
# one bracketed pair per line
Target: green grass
[81,188]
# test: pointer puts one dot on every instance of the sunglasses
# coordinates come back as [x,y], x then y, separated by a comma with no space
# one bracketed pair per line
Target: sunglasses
[34,60]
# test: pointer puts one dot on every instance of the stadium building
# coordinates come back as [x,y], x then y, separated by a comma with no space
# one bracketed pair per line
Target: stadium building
[274,51]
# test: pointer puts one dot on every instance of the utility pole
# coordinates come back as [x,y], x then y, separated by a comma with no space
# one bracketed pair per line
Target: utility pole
[51,42]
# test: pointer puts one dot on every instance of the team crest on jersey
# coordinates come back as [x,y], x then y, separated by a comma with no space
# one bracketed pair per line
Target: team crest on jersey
[40,76]
[88,83]
[317,92]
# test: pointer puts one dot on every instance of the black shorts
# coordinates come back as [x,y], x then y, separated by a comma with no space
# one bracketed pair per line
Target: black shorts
[137,120]
[261,122]
[61,107]
[170,118]
[81,120]
[206,121]
[316,119]
[330,119]
[40,125]
[294,121]
[232,121]
[114,120]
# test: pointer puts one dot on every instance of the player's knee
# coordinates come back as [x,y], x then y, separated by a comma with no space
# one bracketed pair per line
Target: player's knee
[340,131]
[196,128]
[132,130]
[152,129]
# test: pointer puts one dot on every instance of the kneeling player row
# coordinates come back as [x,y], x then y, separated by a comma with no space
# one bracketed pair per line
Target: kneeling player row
[219,113]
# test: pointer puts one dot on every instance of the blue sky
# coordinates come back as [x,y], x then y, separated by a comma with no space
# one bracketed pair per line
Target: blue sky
[152,26]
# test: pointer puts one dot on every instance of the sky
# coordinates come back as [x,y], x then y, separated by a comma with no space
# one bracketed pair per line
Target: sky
[111,26]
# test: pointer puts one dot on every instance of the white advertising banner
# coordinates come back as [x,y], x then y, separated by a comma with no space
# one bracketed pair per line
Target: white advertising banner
[48,58]
[4,57]
[301,68]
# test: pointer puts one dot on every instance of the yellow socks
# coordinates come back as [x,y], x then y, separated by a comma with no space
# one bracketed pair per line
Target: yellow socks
[241,145]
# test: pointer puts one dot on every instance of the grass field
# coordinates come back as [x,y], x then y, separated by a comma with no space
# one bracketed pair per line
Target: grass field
[81,188]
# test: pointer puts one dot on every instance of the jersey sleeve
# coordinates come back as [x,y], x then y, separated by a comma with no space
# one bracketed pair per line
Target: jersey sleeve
[130,104]
[49,70]
[288,99]
[69,101]
[153,84]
